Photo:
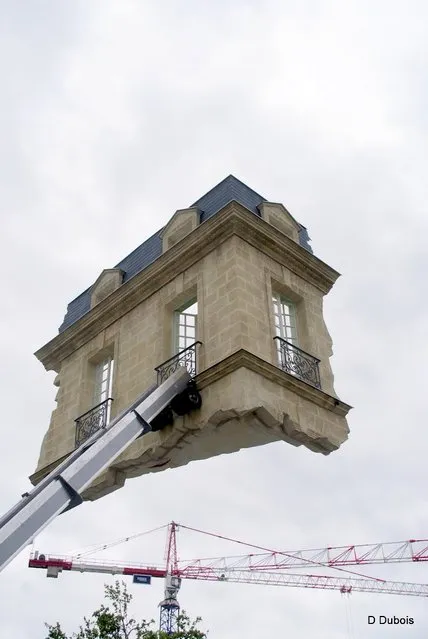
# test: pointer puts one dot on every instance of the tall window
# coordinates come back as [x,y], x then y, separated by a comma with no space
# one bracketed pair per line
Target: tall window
[185,326]
[285,318]
[99,414]
[104,382]
[185,335]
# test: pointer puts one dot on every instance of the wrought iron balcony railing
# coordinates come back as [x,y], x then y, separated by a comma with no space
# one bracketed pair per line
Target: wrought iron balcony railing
[186,357]
[296,362]
[91,421]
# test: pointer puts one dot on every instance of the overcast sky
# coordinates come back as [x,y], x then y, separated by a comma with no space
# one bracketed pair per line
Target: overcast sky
[115,115]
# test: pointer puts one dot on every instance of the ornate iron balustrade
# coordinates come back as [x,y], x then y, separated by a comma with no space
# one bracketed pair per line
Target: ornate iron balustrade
[296,362]
[186,357]
[91,421]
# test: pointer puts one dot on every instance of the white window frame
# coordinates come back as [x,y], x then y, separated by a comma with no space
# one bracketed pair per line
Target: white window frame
[103,382]
[185,326]
[285,317]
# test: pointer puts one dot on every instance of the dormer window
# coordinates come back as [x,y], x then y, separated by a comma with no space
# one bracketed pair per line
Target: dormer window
[109,280]
[278,216]
[180,225]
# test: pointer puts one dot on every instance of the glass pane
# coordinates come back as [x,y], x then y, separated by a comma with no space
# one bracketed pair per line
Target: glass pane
[193,309]
[284,315]
[110,389]
[185,327]
[103,380]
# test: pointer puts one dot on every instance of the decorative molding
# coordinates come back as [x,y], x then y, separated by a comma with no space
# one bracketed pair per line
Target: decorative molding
[233,219]
[36,477]
[244,359]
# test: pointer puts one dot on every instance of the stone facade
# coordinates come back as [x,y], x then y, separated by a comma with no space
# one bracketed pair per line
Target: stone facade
[231,264]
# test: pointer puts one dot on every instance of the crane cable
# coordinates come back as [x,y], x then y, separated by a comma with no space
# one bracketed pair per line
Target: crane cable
[94,549]
[280,552]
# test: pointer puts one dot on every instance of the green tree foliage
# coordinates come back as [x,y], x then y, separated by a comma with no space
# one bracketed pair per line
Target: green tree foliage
[112,621]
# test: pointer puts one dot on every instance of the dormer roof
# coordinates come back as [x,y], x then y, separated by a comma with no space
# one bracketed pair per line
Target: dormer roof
[228,190]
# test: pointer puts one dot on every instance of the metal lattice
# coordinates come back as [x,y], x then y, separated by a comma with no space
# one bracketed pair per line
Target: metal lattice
[169,612]
[91,421]
[186,357]
[296,362]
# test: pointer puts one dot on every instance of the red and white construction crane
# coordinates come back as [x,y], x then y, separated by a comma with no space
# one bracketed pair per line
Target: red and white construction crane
[266,568]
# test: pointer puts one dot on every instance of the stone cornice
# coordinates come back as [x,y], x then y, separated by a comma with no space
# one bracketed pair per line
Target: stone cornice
[233,219]
[42,472]
[267,239]
[244,359]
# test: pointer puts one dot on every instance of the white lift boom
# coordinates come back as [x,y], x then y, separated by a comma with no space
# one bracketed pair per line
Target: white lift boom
[63,487]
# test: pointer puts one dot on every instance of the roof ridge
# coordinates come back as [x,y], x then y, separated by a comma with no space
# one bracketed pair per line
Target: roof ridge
[228,178]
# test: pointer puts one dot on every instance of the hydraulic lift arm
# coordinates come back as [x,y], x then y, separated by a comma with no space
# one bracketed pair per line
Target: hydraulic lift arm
[62,488]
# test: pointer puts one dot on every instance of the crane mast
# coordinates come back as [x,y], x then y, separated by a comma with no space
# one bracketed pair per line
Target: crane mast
[169,607]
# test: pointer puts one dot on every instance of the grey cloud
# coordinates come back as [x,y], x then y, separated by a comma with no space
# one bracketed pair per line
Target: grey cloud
[115,116]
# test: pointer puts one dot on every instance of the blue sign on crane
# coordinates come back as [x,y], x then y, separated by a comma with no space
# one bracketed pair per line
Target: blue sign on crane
[142,579]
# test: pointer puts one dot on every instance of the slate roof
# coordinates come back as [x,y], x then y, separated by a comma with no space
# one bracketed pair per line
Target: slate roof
[209,204]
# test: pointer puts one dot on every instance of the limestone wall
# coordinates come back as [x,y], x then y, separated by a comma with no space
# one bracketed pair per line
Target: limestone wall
[233,282]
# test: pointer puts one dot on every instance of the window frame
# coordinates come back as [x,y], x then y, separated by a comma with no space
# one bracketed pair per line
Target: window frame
[177,335]
[283,329]
[101,394]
